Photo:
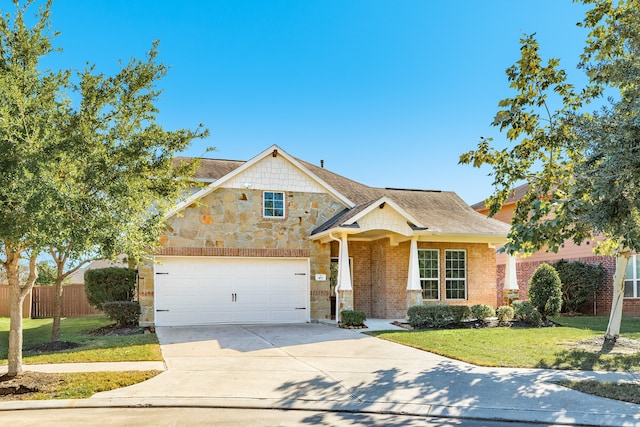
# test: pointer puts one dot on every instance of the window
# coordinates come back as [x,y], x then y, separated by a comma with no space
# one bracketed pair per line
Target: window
[273,204]
[455,270]
[428,262]
[631,279]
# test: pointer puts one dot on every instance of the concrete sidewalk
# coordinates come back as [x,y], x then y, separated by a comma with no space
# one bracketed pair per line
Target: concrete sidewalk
[320,367]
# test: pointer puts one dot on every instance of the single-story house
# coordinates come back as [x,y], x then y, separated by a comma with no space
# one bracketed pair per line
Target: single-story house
[277,239]
[569,251]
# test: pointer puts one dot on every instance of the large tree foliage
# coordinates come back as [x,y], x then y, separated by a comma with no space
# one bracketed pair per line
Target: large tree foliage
[582,166]
[84,179]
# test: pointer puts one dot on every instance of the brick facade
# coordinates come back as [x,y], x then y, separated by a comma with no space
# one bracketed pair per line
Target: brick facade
[602,307]
[380,273]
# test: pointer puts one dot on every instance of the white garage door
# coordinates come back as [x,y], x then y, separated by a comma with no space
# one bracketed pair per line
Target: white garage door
[207,290]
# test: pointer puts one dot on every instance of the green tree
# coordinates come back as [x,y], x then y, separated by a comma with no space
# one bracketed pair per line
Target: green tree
[82,180]
[545,291]
[581,166]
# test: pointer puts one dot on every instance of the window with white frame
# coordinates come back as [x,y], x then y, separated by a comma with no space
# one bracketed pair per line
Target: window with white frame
[429,265]
[631,279]
[273,204]
[455,270]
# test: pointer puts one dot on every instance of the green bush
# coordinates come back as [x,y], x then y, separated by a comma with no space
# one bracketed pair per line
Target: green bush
[505,313]
[460,312]
[545,291]
[482,311]
[430,315]
[124,313]
[525,311]
[580,281]
[353,317]
[109,284]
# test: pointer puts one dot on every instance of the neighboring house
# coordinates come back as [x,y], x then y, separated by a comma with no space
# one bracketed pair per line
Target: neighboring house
[276,239]
[77,277]
[571,252]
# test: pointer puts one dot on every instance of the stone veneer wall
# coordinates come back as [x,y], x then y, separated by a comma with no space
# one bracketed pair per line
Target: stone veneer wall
[229,219]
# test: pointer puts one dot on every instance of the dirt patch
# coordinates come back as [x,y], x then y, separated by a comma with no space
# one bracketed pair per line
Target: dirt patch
[26,385]
[600,345]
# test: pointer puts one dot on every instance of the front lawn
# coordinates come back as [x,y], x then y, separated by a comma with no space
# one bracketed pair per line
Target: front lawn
[93,348]
[555,347]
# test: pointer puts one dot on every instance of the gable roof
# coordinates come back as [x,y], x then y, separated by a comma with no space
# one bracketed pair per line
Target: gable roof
[515,195]
[233,169]
[437,212]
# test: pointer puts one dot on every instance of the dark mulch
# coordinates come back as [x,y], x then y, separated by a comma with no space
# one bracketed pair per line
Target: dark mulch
[52,346]
[26,385]
[114,329]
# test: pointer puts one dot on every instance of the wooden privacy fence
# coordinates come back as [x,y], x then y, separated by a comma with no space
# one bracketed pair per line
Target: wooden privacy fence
[39,304]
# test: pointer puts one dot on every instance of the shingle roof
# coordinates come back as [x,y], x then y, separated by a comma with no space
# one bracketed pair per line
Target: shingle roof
[515,195]
[439,211]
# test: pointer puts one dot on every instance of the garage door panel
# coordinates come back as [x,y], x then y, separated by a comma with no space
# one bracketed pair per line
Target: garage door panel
[208,290]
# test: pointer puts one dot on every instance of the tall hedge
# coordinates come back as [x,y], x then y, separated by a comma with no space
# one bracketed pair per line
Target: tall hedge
[109,284]
[580,281]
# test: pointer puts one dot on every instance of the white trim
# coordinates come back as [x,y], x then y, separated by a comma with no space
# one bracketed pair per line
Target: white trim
[284,201]
[437,251]
[635,279]
[466,274]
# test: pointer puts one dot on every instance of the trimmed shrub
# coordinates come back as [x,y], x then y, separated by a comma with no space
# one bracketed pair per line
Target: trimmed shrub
[580,281]
[545,291]
[124,313]
[460,312]
[482,311]
[525,311]
[430,315]
[109,284]
[353,317]
[505,313]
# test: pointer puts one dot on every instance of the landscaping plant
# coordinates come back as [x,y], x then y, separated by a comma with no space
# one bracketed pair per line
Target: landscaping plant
[545,291]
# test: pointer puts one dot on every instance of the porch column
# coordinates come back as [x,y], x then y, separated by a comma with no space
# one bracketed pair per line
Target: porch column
[510,291]
[344,289]
[414,290]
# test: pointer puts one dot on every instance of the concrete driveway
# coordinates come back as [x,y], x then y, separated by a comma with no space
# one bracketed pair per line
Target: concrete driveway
[322,367]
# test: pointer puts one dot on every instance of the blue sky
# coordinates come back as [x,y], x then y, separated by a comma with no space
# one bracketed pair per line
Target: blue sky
[388,93]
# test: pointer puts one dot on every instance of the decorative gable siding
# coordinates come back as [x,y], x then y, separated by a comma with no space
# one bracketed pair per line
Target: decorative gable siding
[385,219]
[274,173]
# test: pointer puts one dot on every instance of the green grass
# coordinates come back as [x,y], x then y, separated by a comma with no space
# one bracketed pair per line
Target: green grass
[526,348]
[626,392]
[81,385]
[630,327]
[139,347]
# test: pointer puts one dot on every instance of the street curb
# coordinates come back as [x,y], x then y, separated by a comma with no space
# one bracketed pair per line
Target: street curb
[592,418]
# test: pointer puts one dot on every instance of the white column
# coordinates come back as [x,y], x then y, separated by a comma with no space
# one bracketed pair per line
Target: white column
[414,289]
[510,274]
[510,291]
[413,281]
[344,272]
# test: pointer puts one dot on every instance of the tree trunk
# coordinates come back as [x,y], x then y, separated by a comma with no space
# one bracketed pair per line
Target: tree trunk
[57,310]
[613,329]
[15,331]
[17,294]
